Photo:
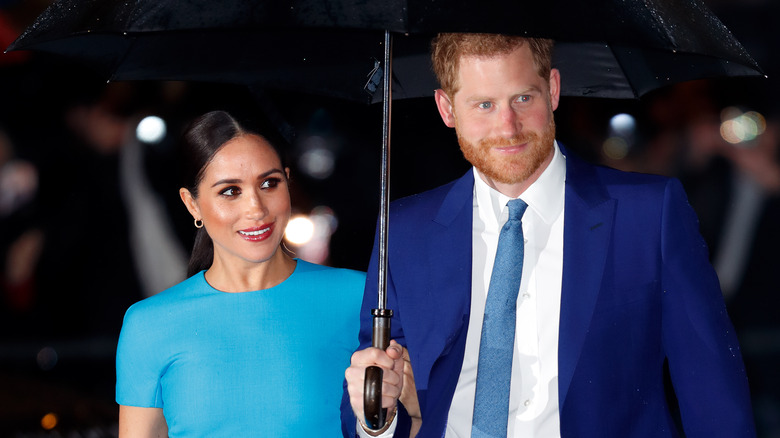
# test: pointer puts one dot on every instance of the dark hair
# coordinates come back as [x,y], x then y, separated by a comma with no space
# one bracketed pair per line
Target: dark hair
[202,139]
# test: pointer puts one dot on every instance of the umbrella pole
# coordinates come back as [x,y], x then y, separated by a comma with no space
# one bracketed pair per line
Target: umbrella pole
[372,389]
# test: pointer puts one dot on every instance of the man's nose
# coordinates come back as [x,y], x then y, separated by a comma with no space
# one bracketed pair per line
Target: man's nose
[509,123]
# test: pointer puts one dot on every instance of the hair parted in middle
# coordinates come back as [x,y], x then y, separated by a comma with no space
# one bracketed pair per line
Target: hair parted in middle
[448,48]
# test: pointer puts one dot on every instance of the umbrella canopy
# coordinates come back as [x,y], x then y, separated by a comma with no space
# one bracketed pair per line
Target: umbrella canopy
[605,48]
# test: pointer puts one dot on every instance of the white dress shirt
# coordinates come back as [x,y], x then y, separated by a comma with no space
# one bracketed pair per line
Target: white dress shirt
[533,400]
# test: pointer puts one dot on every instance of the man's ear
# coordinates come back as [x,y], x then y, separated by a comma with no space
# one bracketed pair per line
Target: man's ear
[189,202]
[555,88]
[445,108]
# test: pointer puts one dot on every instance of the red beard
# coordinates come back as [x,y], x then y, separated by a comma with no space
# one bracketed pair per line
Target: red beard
[514,169]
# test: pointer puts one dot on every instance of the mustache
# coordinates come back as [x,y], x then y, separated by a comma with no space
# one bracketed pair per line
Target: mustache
[498,142]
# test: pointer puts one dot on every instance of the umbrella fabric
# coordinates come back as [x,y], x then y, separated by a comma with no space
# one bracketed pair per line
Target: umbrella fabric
[605,48]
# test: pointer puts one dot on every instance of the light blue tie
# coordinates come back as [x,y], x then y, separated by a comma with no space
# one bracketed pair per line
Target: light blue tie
[494,371]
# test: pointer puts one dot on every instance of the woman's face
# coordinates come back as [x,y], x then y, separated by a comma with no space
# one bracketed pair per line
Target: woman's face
[243,201]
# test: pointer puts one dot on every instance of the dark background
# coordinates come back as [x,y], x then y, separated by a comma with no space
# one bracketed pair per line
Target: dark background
[68,271]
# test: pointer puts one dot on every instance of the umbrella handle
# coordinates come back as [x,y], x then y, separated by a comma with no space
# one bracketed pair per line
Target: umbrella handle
[372,386]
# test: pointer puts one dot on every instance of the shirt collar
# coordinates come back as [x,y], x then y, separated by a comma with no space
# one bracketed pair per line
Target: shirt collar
[545,196]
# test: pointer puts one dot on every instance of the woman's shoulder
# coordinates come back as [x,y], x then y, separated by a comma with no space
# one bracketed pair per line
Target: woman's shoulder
[340,286]
[336,292]
[173,296]
[323,273]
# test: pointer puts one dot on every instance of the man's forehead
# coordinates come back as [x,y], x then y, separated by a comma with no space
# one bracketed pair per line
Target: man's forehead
[522,49]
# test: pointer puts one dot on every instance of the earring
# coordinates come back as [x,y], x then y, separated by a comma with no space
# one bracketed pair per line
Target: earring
[198,223]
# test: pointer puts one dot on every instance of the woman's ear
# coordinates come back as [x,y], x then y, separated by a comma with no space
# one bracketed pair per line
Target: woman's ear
[190,203]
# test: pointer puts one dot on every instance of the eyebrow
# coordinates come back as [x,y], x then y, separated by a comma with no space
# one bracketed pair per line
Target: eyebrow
[236,180]
[528,90]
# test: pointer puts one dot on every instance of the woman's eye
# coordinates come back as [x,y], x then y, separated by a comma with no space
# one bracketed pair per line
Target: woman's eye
[229,191]
[270,183]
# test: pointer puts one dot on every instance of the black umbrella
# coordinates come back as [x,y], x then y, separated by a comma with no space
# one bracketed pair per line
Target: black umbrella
[343,48]
[606,48]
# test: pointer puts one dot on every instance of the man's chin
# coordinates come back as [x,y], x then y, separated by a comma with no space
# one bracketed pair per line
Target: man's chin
[506,176]
[515,170]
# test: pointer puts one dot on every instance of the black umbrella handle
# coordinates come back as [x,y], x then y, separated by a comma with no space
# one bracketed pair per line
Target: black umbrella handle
[372,387]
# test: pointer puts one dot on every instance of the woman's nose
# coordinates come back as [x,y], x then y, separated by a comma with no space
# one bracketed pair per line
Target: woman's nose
[255,207]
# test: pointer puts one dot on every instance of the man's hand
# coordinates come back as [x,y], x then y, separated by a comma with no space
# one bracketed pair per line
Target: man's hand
[409,395]
[392,363]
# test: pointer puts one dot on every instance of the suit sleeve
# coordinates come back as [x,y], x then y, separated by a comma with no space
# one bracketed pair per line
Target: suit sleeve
[348,420]
[704,358]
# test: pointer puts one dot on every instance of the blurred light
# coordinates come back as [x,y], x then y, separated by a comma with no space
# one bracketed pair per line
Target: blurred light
[317,160]
[151,130]
[737,127]
[615,148]
[623,124]
[318,163]
[47,358]
[49,421]
[622,130]
[299,230]
[310,235]
[326,217]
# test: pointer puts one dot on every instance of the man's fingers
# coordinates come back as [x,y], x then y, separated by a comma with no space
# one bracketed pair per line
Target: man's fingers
[392,375]
[372,356]
[391,388]
[395,350]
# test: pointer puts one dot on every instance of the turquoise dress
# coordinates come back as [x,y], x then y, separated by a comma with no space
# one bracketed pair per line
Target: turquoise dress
[263,363]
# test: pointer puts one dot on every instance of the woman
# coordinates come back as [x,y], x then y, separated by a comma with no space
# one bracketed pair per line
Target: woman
[243,347]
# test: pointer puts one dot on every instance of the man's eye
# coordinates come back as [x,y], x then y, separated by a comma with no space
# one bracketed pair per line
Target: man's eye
[485,105]
[524,98]
[270,183]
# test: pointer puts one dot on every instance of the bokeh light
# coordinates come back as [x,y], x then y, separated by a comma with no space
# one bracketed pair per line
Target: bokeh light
[739,127]
[623,125]
[317,160]
[49,421]
[325,219]
[615,148]
[151,129]
[309,235]
[622,131]
[47,358]
[299,230]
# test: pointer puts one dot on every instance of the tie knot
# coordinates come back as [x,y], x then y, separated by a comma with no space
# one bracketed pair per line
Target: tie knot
[516,209]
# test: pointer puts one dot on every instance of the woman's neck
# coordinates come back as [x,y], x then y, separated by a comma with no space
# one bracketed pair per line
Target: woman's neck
[237,277]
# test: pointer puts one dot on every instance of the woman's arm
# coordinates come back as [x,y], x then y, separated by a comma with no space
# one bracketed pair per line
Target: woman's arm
[141,422]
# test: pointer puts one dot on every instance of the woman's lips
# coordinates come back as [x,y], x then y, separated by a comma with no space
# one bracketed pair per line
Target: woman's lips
[256,234]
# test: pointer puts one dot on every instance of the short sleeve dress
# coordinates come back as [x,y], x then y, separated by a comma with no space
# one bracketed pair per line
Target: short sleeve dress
[261,363]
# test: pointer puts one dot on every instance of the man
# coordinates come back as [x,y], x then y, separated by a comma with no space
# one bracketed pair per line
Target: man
[615,285]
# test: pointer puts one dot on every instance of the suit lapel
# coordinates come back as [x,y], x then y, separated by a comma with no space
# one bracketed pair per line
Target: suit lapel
[588,223]
[443,312]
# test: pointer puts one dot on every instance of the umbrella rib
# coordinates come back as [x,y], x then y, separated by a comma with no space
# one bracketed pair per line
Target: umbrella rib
[631,85]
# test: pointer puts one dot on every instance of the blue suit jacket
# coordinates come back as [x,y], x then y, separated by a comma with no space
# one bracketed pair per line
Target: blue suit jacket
[637,292]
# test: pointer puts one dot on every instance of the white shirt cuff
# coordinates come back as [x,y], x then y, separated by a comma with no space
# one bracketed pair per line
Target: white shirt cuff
[361,432]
